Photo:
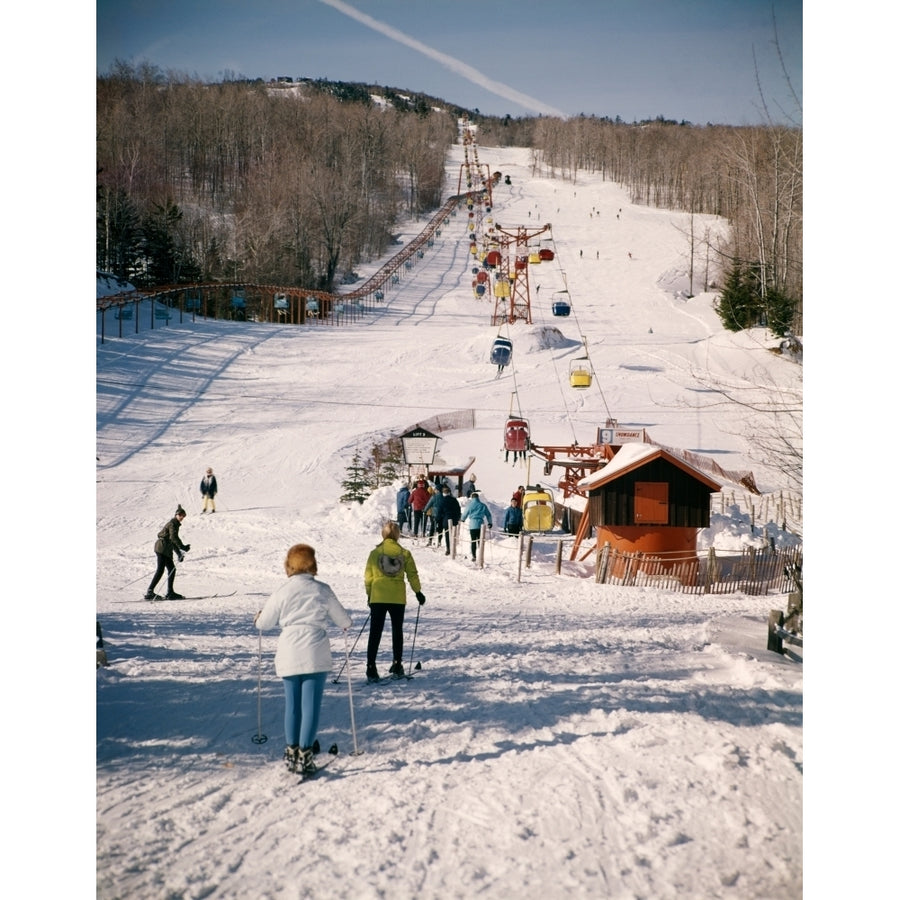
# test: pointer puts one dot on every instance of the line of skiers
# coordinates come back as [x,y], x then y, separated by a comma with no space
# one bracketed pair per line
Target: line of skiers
[429,508]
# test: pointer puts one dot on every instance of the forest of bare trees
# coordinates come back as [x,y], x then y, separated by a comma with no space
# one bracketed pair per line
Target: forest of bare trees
[240,181]
[752,176]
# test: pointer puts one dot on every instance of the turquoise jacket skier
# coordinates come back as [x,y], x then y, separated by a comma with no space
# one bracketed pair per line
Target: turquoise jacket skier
[477,514]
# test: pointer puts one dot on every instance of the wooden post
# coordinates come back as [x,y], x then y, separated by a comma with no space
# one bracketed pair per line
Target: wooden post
[710,568]
[529,542]
[604,567]
[558,556]
[776,617]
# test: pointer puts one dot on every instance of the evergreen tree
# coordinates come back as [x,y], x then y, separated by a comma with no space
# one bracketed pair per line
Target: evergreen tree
[780,310]
[118,234]
[358,483]
[738,303]
[159,243]
[744,303]
[169,261]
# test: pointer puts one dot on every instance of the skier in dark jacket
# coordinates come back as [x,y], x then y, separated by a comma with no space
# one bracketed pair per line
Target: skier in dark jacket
[403,507]
[512,521]
[168,543]
[447,513]
[209,488]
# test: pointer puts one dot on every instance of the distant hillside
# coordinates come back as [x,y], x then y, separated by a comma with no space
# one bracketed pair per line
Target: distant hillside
[373,94]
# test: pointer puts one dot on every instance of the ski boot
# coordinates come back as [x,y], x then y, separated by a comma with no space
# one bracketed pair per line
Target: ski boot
[292,758]
[396,670]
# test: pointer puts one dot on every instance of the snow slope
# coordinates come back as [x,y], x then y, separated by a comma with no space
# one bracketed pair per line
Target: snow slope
[562,738]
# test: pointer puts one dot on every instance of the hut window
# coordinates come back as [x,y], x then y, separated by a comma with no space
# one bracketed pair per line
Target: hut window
[651,503]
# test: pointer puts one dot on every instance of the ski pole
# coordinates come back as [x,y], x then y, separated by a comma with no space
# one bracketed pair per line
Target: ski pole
[413,649]
[337,677]
[259,737]
[356,750]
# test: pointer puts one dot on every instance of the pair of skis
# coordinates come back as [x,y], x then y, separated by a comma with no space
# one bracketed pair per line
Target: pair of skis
[157,598]
[389,678]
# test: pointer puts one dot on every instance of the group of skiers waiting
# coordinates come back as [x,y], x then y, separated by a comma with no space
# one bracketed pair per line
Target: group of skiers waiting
[427,507]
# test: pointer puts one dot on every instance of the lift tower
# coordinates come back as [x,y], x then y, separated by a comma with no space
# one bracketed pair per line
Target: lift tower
[515,303]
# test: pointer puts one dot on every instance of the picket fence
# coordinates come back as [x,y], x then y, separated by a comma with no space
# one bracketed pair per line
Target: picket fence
[750,571]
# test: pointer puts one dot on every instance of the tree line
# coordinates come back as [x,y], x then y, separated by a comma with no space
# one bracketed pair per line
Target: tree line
[238,181]
[247,181]
[752,176]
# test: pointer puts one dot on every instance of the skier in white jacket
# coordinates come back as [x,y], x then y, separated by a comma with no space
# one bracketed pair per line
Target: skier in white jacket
[302,607]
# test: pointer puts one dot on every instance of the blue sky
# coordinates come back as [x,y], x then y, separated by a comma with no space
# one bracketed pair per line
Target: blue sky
[683,59]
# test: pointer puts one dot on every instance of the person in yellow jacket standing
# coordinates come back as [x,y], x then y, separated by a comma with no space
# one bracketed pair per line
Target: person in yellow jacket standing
[388,568]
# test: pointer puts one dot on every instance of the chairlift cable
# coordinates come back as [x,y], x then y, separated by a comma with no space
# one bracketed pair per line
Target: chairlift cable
[573,312]
[559,382]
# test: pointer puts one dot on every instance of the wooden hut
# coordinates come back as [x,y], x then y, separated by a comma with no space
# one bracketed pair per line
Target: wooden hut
[648,501]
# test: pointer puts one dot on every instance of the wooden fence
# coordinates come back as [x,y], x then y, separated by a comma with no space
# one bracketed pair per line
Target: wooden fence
[268,302]
[751,571]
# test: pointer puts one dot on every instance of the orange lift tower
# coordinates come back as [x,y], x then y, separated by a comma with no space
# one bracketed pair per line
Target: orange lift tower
[512,299]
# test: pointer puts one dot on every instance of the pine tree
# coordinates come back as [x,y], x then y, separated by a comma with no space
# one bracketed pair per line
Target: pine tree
[358,483]
[744,303]
[118,234]
[780,311]
[738,305]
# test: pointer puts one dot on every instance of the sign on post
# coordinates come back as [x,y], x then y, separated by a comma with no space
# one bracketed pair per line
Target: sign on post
[617,436]
[419,447]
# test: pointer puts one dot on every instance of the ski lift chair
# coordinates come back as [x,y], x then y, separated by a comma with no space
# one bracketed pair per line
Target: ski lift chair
[501,352]
[580,373]
[238,306]
[537,509]
[515,436]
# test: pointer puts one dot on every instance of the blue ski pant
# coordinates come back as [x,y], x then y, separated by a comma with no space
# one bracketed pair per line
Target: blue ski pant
[302,702]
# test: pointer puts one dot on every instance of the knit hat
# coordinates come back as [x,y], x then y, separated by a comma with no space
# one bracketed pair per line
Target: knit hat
[180,511]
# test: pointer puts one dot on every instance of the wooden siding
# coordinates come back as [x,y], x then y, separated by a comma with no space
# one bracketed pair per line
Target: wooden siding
[613,504]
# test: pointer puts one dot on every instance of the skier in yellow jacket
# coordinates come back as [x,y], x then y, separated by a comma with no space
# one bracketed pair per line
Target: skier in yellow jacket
[388,568]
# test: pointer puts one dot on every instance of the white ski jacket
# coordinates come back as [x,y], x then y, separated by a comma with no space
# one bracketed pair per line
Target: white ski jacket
[302,608]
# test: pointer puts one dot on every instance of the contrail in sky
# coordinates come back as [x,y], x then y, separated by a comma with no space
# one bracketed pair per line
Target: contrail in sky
[454,65]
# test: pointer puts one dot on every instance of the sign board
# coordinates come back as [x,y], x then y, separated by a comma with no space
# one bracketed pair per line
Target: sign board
[419,446]
[617,436]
